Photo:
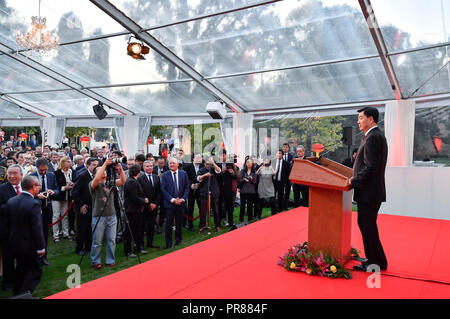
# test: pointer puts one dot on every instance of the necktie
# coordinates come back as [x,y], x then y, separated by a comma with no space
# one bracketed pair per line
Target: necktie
[43,186]
[44,189]
[279,170]
[150,179]
[175,182]
[17,190]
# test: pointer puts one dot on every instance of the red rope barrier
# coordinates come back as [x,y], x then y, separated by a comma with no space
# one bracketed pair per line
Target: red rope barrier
[202,211]
[64,215]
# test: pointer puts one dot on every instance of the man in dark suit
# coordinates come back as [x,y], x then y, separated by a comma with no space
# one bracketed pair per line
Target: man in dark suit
[228,188]
[175,191]
[194,195]
[299,188]
[25,236]
[369,185]
[7,191]
[207,176]
[134,201]
[287,183]
[159,170]
[49,189]
[280,179]
[83,206]
[151,186]
[53,163]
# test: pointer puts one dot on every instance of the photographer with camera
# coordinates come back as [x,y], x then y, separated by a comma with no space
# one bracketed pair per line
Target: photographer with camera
[209,193]
[104,220]
[228,188]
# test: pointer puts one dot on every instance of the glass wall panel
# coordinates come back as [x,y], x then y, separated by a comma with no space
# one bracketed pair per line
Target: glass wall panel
[160,99]
[62,103]
[150,13]
[69,20]
[407,24]
[432,136]
[423,72]
[16,77]
[328,84]
[282,34]
[10,110]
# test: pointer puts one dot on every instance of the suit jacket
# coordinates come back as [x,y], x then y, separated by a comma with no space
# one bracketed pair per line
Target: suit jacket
[211,182]
[33,144]
[134,199]
[51,168]
[190,170]
[61,181]
[369,167]
[24,225]
[80,191]
[290,158]
[156,170]
[80,170]
[168,187]
[285,171]
[51,184]
[151,191]
[7,191]
[228,181]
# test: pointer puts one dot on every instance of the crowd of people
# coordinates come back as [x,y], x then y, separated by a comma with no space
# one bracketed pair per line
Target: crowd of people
[85,196]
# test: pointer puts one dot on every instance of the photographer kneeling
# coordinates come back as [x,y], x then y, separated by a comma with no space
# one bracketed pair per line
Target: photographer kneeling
[103,211]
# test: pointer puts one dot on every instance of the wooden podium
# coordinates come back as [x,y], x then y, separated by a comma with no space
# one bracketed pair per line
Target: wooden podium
[330,204]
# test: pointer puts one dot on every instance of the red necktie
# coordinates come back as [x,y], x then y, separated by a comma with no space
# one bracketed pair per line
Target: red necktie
[17,190]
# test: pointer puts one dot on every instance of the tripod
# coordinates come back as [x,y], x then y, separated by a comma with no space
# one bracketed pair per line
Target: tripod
[112,188]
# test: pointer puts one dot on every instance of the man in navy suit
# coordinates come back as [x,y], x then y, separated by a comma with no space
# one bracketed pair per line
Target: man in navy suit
[25,236]
[7,191]
[49,188]
[175,190]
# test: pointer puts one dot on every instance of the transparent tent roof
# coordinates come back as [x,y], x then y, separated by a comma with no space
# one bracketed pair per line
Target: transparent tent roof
[253,55]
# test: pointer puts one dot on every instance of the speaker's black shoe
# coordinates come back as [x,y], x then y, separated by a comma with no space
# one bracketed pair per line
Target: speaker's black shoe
[45,262]
[360,268]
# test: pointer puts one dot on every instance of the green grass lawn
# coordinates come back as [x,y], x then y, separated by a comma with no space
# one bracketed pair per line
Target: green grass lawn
[61,255]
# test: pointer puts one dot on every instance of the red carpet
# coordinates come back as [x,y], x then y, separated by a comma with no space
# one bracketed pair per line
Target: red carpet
[243,264]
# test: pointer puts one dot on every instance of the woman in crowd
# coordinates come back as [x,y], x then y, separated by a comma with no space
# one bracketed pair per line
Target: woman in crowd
[247,186]
[65,176]
[266,190]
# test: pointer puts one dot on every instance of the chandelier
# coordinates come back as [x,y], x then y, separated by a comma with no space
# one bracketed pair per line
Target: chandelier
[38,41]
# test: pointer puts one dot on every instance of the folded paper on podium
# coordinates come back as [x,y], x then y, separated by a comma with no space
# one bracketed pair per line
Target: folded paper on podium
[330,204]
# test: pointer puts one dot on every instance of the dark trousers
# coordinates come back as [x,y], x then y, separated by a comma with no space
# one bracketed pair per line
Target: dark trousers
[206,215]
[72,216]
[176,213]
[136,222]
[260,203]
[367,222]
[279,195]
[287,193]
[150,221]
[46,218]
[194,196]
[248,201]
[8,264]
[162,216]
[227,198]
[304,191]
[84,232]
[28,273]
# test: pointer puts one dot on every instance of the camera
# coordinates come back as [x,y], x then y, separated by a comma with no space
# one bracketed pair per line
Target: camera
[119,160]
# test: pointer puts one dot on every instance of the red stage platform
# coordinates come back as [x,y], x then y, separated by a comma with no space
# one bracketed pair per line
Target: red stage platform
[243,264]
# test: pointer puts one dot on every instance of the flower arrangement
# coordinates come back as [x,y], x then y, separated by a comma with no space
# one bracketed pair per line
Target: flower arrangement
[299,259]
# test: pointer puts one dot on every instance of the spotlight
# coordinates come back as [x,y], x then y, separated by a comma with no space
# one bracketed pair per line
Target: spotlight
[99,111]
[137,50]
